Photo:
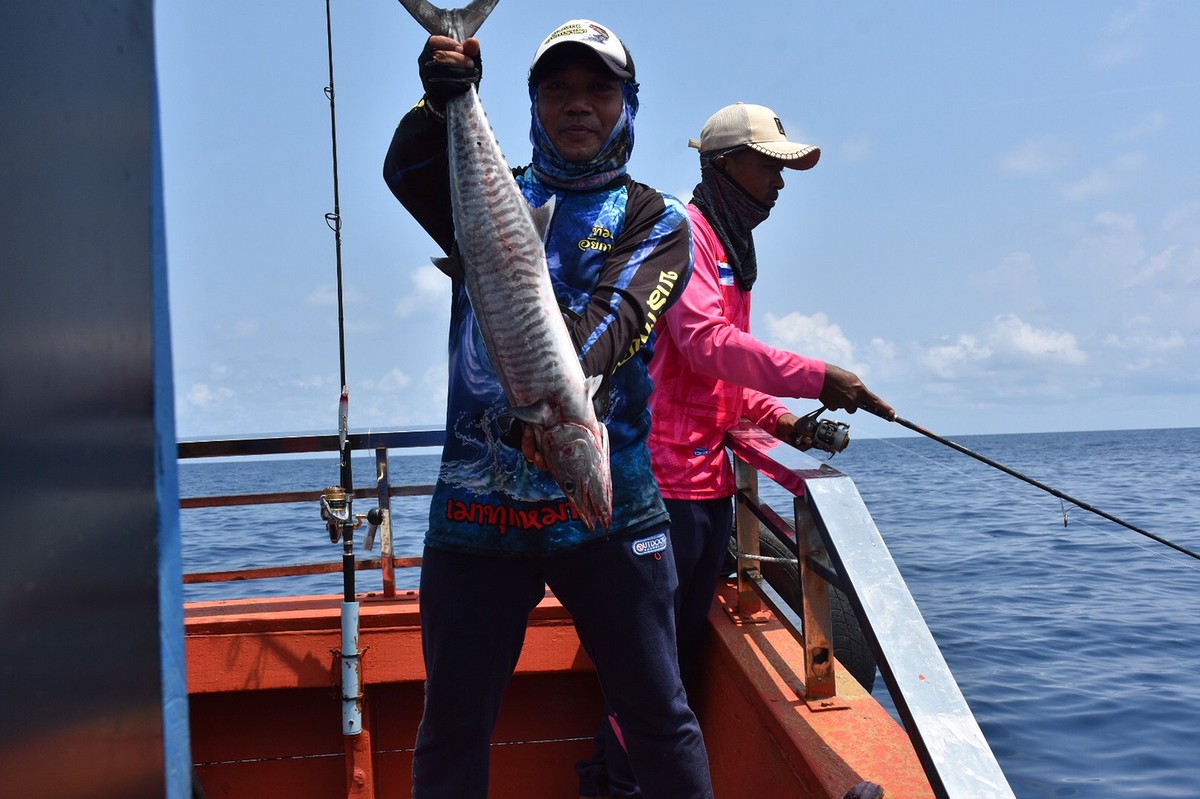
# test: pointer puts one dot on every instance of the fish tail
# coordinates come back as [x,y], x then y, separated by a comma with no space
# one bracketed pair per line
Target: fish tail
[459,23]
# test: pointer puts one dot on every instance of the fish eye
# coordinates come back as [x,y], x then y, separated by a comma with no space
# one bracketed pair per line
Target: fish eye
[569,486]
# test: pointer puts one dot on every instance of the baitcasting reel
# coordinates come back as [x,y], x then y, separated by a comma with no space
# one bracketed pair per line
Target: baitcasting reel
[826,434]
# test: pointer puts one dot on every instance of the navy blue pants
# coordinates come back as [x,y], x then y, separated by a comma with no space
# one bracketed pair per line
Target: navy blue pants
[474,611]
[700,531]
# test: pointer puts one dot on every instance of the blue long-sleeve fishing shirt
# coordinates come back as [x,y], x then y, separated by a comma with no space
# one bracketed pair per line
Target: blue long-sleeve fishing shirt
[619,256]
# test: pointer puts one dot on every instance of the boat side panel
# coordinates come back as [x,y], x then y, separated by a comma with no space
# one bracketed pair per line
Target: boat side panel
[754,716]
[236,646]
[263,680]
[266,709]
[264,744]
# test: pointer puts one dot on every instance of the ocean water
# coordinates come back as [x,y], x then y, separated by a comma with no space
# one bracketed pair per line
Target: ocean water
[1077,647]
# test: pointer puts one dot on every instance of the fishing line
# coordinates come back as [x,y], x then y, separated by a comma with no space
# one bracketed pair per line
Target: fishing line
[1000,487]
[1035,483]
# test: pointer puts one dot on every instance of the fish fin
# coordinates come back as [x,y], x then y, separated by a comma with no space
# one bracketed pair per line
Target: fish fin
[601,400]
[459,23]
[536,414]
[542,216]
[593,385]
[450,266]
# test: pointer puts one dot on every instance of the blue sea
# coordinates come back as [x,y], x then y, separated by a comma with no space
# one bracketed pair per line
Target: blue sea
[1077,646]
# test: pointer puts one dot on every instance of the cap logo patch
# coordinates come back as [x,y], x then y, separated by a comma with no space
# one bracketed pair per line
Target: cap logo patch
[598,33]
[593,32]
[779,125]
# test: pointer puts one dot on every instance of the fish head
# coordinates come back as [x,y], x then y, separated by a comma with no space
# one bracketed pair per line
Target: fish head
[577,456]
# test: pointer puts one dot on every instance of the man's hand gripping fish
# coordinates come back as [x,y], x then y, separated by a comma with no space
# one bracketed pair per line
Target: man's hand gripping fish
[503,261]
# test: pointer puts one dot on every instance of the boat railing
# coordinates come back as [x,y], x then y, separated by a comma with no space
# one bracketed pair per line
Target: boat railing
[836,544]
[383,491]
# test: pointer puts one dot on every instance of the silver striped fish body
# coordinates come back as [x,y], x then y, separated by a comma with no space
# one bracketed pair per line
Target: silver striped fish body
[508,282]
[504,268]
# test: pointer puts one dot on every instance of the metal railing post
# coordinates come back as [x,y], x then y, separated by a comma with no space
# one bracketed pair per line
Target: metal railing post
[819,679]
[746,525]
[386,550]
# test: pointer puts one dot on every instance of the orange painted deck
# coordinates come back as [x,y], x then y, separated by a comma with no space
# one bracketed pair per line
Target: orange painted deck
[264,687]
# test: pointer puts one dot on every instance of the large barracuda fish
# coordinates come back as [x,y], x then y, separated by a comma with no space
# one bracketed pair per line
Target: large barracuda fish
[503,262]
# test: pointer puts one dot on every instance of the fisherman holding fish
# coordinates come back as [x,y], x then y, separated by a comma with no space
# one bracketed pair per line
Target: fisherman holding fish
[617,253]
[710,372]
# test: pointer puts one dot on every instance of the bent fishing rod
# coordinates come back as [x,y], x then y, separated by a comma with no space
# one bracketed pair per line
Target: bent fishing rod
[1036,483]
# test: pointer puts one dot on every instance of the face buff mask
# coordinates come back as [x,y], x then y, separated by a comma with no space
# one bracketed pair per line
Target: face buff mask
[733,214]
[553,170]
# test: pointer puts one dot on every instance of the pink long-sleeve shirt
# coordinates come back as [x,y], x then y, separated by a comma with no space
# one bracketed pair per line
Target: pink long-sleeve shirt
[709,372]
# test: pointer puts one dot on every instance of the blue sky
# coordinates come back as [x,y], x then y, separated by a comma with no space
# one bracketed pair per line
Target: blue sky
[1003,233]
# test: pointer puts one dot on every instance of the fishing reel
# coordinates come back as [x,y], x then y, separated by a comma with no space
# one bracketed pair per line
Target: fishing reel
[335,511]
[825,434]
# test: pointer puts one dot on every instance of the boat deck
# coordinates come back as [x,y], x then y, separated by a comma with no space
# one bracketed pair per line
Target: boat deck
[264,687]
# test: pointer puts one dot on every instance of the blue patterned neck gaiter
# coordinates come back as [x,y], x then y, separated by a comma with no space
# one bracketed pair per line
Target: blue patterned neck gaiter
[553,170]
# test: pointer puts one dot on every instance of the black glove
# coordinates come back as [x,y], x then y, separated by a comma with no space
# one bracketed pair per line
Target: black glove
[441,82]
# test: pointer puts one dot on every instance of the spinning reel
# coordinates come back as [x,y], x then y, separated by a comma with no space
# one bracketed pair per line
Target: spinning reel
[825,434]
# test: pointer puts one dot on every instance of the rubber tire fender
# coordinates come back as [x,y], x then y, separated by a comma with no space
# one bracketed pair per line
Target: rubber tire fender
[850,645]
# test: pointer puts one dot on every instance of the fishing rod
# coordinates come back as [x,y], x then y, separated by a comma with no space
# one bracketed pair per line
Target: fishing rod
[1037,484]
[336,502]
[337,510]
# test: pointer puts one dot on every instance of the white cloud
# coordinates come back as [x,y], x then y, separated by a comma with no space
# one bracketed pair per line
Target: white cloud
[1154,266]
[1116,53]
[1123,41]
[1104,181]
[883,350]
[1147,342]
[436,375]
[1183,220]
[1110,253]
[390,382]
[944,360]
[430,293]
[1007,344]
[1146,353]
[240,329]
[1130,19]
[1146,127]
[1115,222]
[858,149]
[1010,333]
[433,381]
[202,395]
[1036,157]
[814,336]
[325,296]
[1097,184]
[1015,281]
[316,381]
[1128,163]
